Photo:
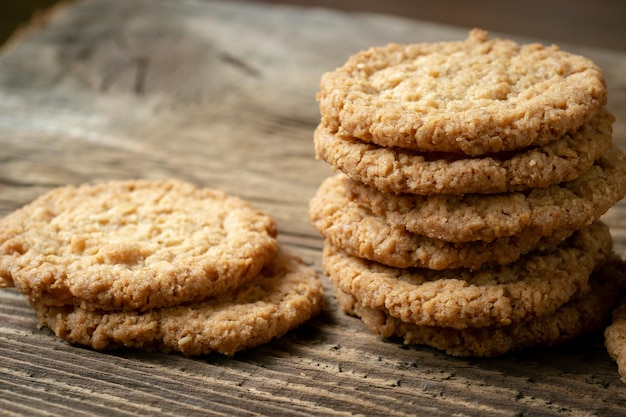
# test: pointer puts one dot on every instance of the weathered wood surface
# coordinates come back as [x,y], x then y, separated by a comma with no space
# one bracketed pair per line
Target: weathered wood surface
[223,95]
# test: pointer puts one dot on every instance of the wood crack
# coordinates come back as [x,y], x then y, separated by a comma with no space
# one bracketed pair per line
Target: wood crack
[239,64]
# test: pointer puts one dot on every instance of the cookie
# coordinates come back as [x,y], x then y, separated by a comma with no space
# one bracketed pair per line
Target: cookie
[475,96]
[285,294]
[534,286]
[133,245]
[541,211]
[615,333]
[395,170]
[583,314]
[360,233]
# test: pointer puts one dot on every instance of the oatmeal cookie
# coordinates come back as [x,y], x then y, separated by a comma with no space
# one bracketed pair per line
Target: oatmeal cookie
[541,211]
[582,314]
[474,96]
[285,294]
[402,171]
[534,286]
[133,245]
[615,333]
[361,233]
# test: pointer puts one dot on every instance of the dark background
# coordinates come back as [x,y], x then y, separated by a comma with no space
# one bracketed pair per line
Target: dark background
[596,23]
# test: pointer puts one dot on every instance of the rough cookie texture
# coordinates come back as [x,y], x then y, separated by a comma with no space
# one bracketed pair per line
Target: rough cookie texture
[534,286]
[133,245]
[360,233]
[402,171]
[582,314]
[615,338]
[284,295]
[474,96]
[615,333]
[542,211]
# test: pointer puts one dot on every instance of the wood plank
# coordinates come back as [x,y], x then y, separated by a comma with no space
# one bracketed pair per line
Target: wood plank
[222,94]
[596,24]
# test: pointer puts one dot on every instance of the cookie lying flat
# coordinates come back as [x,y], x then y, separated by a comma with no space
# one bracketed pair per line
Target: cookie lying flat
[133,245]
[401,171]
[534,286]
[475,96]
[360,233]
[284,295]
[542,211]
[581,315]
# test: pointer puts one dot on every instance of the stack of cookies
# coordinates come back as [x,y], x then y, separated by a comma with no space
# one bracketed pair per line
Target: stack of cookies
[471,176]
[155,265]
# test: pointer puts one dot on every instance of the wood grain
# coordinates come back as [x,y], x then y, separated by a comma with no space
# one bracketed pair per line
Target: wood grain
[222,94]
[597,24]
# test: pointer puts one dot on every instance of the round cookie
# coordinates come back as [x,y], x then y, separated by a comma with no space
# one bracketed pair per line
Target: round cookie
[474,96]
[133,245]
[542,211]
[534,286]
[360,233]
[285,294]
[395,170]
[583,314]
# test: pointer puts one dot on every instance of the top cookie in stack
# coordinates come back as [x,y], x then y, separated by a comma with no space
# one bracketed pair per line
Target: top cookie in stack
[474,97]
[466,165]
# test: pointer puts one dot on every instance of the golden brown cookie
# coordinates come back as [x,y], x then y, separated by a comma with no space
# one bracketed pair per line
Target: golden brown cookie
[534,286]
[542,211]
[615,338]
[395,170]
[583,314]
[133,245]
[284,295]
[615,333]
[361,233]
[474,96]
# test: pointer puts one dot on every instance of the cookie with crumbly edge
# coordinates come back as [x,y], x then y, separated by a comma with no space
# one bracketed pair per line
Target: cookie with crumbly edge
[541,211]
[360,233]
[534,286]
[583,314]
[285,294]
[474,96]
[133,244]
[396,170]
[615,333]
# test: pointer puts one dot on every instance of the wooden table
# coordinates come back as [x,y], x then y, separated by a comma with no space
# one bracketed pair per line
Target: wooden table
[223,95]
